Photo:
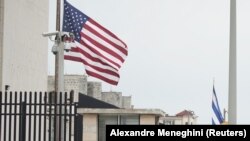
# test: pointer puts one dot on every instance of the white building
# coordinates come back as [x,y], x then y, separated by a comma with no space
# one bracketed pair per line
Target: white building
[186,117]
[23,50]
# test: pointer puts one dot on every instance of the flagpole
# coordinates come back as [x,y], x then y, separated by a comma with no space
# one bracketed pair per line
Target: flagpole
[232,96]
[59,59]
[59,71]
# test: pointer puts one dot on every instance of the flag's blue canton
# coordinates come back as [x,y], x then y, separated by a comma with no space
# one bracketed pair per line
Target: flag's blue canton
[73,20]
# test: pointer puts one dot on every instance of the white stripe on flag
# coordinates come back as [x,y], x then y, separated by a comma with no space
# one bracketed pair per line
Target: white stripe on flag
[91,62]
[104,43]
[103,53]
[103,33]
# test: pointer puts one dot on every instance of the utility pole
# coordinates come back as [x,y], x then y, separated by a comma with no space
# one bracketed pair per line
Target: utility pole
[232,96]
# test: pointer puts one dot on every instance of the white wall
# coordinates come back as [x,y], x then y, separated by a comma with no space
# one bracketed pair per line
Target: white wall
[147,119]
[24,50]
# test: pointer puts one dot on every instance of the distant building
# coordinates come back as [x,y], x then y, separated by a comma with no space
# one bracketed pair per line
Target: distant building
[96,109]
[185,117]
[96,114]
[23,50]
[79,84]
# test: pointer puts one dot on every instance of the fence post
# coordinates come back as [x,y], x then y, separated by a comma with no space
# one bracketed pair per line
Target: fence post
[23,121]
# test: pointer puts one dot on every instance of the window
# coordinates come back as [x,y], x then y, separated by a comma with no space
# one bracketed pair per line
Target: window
[129,120]
[103,121]
[114,120]
[169,122]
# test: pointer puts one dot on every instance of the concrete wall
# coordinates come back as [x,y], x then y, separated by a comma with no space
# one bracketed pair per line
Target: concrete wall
[77,83]
[114,98]
[94,90]
[117,99]
[90,127]
[126,102]
[24,50]
[147,119]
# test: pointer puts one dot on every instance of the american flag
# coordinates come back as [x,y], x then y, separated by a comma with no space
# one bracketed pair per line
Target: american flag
[217,117]
[101,52]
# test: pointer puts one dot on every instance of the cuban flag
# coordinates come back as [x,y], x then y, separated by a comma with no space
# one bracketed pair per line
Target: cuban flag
[217,117]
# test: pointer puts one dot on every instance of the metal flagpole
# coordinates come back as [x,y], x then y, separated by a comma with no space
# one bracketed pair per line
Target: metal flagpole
[59,59]
[59,75]
[58,49]
[232,96]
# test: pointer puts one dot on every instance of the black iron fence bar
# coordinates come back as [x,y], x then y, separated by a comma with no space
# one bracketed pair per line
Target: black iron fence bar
[30,111]
[20,117]
[34,124]
[25,115]
[55,116]
[5,117]
[44,118]
[15,112]
[50,114]
[70,111]
[65,117]
[10,116]
[75,117]
[39,120]
[60,114]
[23,122]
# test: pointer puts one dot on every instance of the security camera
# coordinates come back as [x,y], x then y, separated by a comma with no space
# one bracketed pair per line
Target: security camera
[55,48]
[67,46]
[49,34]
[71,35]
[68,37]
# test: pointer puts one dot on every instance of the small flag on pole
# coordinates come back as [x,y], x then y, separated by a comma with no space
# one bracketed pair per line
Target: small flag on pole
[101,52]
[217,117]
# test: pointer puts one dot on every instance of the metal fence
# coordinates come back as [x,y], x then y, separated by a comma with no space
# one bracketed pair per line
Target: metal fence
[37,116]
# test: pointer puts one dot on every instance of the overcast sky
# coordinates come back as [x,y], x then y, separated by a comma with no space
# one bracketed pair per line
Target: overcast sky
[176,48]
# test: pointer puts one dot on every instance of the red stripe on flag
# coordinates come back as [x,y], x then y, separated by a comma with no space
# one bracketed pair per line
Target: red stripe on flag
[77,49]
[101,77]
[99,54]
[72,58]
[102,47]
[124,51]
[104,29]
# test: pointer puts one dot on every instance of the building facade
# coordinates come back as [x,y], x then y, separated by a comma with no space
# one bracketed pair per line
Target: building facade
[185,117]
[96,114]
[23,50]
[95,120]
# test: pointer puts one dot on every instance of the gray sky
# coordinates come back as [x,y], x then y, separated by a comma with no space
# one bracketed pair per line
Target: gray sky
[176,48]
